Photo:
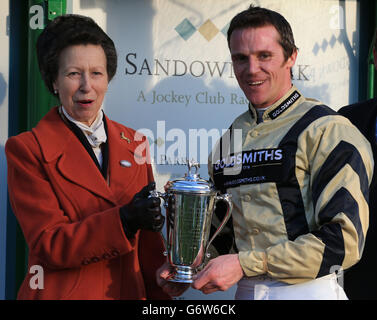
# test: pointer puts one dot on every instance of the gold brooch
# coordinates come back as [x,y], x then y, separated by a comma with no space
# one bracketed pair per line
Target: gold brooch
[122,136]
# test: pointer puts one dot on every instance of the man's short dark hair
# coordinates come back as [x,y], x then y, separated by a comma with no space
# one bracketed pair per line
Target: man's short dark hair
[69,30]
[255,17]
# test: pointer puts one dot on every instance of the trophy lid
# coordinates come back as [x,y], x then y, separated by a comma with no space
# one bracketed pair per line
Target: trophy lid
[191,182]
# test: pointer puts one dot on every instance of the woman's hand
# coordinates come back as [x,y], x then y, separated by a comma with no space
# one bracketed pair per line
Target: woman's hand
[143,212]
[173,289]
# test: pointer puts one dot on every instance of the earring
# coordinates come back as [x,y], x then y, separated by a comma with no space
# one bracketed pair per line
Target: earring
[55,92]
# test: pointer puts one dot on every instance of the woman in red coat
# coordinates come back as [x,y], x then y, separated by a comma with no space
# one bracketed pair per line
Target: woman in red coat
[79,182]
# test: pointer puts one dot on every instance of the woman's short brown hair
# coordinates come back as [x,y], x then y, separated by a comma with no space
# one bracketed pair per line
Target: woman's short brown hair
[69,30]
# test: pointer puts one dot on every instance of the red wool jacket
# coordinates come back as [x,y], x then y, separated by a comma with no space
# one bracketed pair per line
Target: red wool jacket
[70,218]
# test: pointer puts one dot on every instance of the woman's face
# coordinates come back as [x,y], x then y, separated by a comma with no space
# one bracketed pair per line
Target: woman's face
[82,81]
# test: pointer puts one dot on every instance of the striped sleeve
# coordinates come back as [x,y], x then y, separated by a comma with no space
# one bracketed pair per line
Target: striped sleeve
[327,220]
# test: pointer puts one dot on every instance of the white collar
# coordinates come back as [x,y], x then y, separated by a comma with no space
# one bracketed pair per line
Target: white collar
[95,133]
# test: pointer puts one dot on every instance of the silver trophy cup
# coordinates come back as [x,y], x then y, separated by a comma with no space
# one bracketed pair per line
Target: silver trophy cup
[190,203]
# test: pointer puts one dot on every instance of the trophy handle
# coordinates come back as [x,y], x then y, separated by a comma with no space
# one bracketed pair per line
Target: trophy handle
[225,197]
[163,196]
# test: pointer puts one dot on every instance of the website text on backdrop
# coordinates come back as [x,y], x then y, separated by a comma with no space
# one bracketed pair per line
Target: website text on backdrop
[79,195]
[298,178]
[360,281]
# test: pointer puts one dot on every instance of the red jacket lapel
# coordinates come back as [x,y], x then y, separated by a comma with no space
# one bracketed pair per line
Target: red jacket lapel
[58,143]
[126,146]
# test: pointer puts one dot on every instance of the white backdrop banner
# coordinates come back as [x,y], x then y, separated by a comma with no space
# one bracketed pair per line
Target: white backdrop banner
[175,81]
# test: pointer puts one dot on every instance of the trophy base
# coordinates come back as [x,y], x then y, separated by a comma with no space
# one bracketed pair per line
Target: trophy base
[182,274]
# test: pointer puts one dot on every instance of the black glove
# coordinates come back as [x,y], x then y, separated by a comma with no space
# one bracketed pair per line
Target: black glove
[170,211]
[143,212]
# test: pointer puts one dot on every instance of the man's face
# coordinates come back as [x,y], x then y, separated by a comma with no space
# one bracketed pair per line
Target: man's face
[259,64]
